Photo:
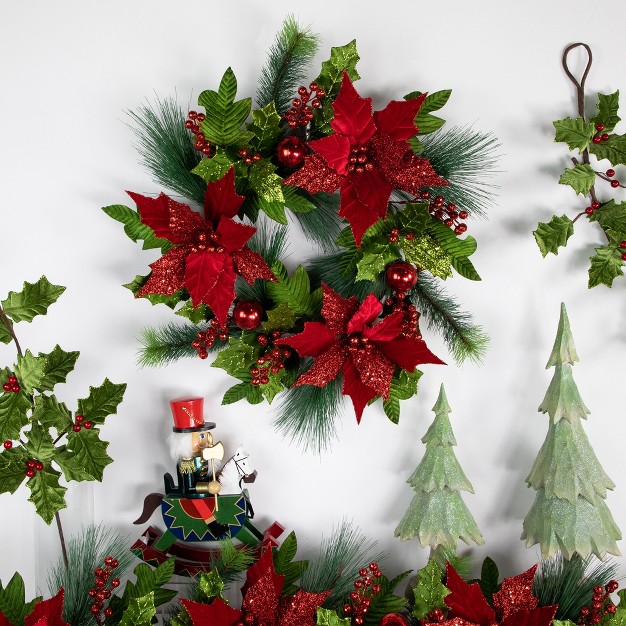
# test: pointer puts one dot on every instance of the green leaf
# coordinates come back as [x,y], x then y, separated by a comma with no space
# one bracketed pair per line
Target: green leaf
[295,201]
[85,456]
[58,364]
[29,371]
[434,101]
[457,249]
[285,565]
[294,290]
[236,359]
[5,335]
[39,444]
[135,229]
[254,395]
[49,412]
[266,127]
[430,592]
[13,408]
[46,493]
[154,298]
[566,622]
[236,393]
[101,402]
[427,254]
[375,258]
[554,234]
[273,387]
[385,602]
[576,133]
[274,210]
[611,216]
[33,300]
[140,611]
[427,123]
[608,106]
[13,603]
[267,184]
[281,317]
[614,149]
[224,116]
[328,617]
[489,576]
[210,586]
[342,58]
[12,463]
[214,168]
[581,178]
[414,218]
[403,386]
[606,265]
[195,314]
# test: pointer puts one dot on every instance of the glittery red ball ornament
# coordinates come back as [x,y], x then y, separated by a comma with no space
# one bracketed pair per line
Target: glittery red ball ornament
[290,152]
[393,619]
[247,314]
[401,276]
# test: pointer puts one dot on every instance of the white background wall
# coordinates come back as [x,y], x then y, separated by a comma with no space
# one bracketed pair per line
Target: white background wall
[69,69]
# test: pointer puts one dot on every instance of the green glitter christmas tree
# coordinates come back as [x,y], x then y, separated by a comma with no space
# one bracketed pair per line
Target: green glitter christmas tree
[437,515]
[569,513]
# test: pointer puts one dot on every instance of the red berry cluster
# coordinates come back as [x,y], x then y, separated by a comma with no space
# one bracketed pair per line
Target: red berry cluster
[249,157]
[622,245]
[361,597]
[600,604]
[79,422]
[609,174]
[31,466]
[300,113]
[271,361]
[592,207]
[395,235]
[206,338]
[447,212]
[12,384]
[193,124]
[436,616]
[600,136]
[100,591]
[410,323]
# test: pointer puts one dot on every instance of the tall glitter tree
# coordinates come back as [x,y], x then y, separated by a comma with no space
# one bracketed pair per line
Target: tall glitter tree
[569,513]
[437,515]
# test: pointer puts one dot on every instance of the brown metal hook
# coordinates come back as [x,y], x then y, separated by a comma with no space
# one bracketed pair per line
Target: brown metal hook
[580,86]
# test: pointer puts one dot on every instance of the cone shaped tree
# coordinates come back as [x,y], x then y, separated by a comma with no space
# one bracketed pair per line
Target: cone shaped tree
[569,513]
[437,515]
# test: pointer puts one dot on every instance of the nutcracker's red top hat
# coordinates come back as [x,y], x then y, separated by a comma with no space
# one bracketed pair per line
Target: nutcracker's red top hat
[189,415]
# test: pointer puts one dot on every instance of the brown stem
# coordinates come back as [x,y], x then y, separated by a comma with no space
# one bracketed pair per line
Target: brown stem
[578,216]
[62,538]
[7,322]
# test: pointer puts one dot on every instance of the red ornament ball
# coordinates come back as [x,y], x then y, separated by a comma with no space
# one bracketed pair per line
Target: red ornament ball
[401,276]
[247,314]
[393,619]
[290,152]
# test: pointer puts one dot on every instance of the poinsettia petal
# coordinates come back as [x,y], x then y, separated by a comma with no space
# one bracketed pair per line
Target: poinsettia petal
[201,272]
[335,149]
[407,352]
[375,369]
[373,190]
[233,235]
[261,600]
[387,329]
[4,621]
[359,393]
[250,265]
[50,611]
[369,310]
[467,601]
[325,368]
[359,215]
[353,114]
[300,609]
[336,310]
[186,224]
[256,571]
[168,273]
[314,340]
[218,612]
[542,616]
[398,118]
[221,199]
[315,175]
[515,594]
[221,295]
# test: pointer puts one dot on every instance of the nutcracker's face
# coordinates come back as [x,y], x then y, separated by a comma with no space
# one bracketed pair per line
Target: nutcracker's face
[199,441]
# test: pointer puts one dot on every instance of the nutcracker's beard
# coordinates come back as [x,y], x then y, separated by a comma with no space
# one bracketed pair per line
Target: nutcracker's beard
[180,446]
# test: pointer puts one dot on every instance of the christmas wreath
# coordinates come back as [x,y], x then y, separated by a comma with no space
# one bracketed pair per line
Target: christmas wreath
[385,197]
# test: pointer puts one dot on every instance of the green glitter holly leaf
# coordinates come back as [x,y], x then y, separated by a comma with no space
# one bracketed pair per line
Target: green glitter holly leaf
[328,617]
[580,178]
[225,117]
[425,253]
[236,359]
[429,592]
[140,611]
[614,149]
[553,235]
[375,257]
[606,265]
[558,622]
[215,168]
[611,216]
[414,218]
[266,127]
[282,317]
[101,402]
[135,229]
[46,493]
[195,314]
[85,456]
[263,180]
[457,249]
[608,106]
[58,364]
[210,587]
[403,386]
[576,133]
[33,300]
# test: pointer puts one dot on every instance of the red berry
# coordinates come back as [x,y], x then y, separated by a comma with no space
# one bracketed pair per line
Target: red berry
[76,428]
[596,139]
[595,205]
[615,183]
[610,608]
[7,386]
[79,418]
[95,609]
[30,473]
[13,379]
[39,466]
[622,244]
[192,115]
[115,582]
[188,124]
[610,173]
[600,127]
[87,425]
[8,444]
[114,563]
[30,464]
[15,388]
[605,136]
[108,612]
[623,256]
[589,210]
[373,566]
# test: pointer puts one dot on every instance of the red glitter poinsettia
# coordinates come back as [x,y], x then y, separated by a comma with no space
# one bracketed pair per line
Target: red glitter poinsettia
[209,252]
[46,613]
[350,342]
[262,602]
[366,157]
[514,604]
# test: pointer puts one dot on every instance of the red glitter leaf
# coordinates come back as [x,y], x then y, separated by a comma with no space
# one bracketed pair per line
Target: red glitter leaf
[359,393]
[467,601]
[261,599]
[251,265]
[221,296]
[155,213]
[515,594]
[300,609]
[168,273]
[218,612]
[353,114]
[407,352]
[398,118]
[4,621]
[233,235]
[457,621]
[50,612]
[542,616]
[325,368]
[387,329]
[375,369]
[221,199]
[335,149]
[201,274]
[185,223]
[359,215]
[369,310]
[256,571]
[314,340]
[336,310]
[315,175]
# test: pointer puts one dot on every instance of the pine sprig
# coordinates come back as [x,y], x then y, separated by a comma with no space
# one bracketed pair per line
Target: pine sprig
[322,225]
[169,343]
[443,314]
[286,65]
[166,147]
